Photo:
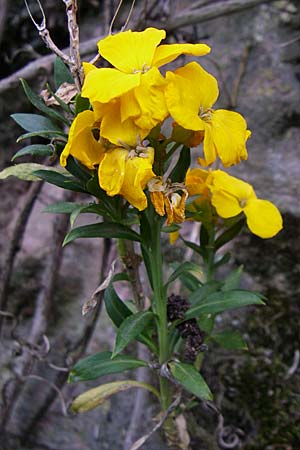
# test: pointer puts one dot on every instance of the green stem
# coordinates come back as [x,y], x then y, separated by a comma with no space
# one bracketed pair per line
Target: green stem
[210,260]
[160,307]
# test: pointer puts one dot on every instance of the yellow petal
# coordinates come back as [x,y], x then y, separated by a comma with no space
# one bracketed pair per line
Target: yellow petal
[226,205]
[167,53]
[130,51]
[229,134]
[263,218]
[239,189]
[138,173]
[112,171]
[129,106]
[169,211]
[189,89]
[150,97]
[209,148]
[179,208]
[157,199]
[196,182]
[103,85]
[173,237]
[113,129]
[87,67]
[81,141]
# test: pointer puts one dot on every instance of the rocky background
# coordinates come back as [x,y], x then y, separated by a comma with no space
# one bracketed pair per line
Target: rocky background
[256,58]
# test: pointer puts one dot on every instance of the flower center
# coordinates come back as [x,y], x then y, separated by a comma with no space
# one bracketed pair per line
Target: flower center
[205,114]
[144,69]
[243,203]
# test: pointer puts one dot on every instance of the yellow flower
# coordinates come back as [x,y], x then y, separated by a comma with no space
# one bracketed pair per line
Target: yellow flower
[231,196]
[136,57]
[190,94]
[82,143]
[197,182]
[166,200]
[126,173]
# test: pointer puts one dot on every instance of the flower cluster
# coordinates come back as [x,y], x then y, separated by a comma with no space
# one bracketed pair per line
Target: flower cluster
[130,101]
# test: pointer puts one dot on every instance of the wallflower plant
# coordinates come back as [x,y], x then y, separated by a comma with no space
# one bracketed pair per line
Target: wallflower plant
[113,143]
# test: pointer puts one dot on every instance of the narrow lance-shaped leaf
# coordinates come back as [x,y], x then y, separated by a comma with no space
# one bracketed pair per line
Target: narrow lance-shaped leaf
[47,134]
[23,171]
[190,379]
[40,105]
[35,150]
[96,396]
[61,73]
[104,229]
[101,364]
[222,301]
[130,328]
[34,122]
[58,179]
[204,291]
[187,266]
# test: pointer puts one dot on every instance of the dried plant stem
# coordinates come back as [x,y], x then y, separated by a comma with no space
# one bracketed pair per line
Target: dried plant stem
[42,65]
[19,221]
[75,62]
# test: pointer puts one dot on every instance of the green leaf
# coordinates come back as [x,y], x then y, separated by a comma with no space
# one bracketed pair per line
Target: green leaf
[115,307]
[24,171]
[178,173]
[61,73]
[47,134]
[204,291]
[97,396]
[62,207]
[170,228]
[187,266]
[222,301]
[36,101]
[223,260]
[233,279]
[78,170]
[191,282]
[229,234]
[34,122]
[101,364]
[58,179]
[117,310]
[206,322]
[231,340]
[35,150]
[81,104]
[104,229]
[130,328]
[190,379]
[195,247]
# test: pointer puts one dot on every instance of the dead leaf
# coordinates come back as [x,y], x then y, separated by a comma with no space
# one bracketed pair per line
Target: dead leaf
[65,92]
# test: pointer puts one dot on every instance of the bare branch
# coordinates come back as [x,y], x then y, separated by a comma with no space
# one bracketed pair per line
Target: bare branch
[75,63]
[45,35]
[42,65]
[191,16]
[164,417]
